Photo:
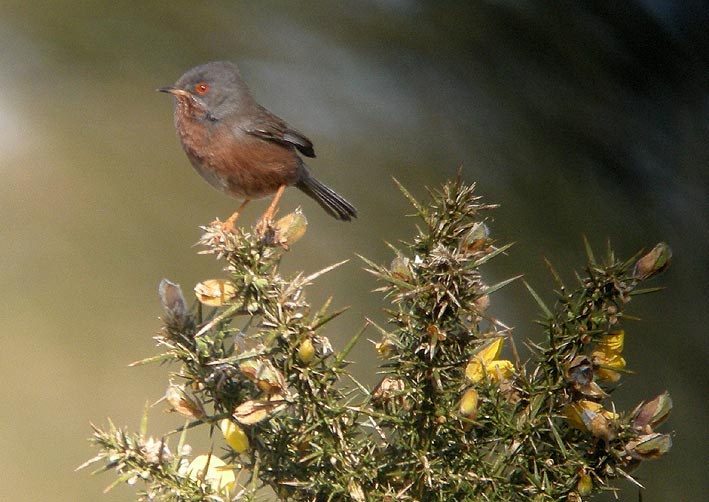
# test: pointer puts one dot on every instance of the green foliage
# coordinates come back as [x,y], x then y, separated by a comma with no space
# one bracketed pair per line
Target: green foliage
[450,420]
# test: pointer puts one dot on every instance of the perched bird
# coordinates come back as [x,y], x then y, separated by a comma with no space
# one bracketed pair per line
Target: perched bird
[240,147]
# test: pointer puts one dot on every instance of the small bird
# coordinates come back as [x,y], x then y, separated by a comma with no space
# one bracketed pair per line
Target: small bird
[240,147]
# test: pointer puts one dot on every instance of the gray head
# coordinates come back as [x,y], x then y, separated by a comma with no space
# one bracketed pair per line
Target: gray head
[215,89]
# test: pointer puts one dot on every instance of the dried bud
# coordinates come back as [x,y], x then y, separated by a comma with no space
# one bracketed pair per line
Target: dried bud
[326,349]
[184,403]
[653,413]
[481,303]
[173,302]
[215,292]
[649,446]
[234,435]
[657,260]
[386,348]
[389,390]
[476,238]
[590,416]
[400,268]
[579,371]
[510,391]
[355,490]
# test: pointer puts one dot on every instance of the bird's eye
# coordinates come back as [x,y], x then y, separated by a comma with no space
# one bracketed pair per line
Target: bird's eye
[201,88]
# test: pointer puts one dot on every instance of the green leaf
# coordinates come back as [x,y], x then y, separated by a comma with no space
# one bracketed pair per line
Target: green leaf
[539,301]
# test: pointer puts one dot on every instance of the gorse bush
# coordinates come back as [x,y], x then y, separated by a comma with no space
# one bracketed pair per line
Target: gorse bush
[450,420]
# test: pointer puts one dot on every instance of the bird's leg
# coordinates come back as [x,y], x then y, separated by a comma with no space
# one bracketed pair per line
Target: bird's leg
[265,222]
[228,225]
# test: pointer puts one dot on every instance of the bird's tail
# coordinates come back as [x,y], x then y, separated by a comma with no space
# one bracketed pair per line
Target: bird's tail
[332,202]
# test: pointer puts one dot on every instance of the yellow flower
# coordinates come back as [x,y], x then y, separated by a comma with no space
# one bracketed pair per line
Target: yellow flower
[485,362]
[499,370]
[214,471]
[612,342]
[606,357]
[234,435]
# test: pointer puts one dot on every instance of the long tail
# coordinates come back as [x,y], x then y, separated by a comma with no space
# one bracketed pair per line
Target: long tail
[332,202]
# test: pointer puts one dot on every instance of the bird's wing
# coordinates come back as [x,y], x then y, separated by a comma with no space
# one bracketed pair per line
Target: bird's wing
[269,127]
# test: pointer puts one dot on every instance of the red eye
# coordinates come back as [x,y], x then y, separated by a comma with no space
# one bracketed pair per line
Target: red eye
[201,88]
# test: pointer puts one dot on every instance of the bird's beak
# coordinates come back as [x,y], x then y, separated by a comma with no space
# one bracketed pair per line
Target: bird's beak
[174,91]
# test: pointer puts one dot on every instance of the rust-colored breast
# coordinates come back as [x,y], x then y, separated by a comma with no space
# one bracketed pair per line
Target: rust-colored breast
[235,162]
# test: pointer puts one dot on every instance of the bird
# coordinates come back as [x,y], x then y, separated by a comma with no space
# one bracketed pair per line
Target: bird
[241,148]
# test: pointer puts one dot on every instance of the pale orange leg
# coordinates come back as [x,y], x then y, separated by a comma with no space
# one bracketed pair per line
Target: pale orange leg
[268,215]
[228,225]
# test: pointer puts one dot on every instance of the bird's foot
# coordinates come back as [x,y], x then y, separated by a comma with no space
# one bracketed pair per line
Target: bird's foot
[265,227]
[224,226]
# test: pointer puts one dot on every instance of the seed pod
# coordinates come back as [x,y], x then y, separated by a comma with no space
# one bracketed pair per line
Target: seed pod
[257,410]
[264,374]
[183,403]
[215,292]
[289,229]
[653,413]
[649,446]
[654,262]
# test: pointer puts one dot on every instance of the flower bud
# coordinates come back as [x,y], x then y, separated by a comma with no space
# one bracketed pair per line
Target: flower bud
[469,404]
[306,351]
[584,485]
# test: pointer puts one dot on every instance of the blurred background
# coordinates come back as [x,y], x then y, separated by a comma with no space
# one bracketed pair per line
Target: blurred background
[578,118]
